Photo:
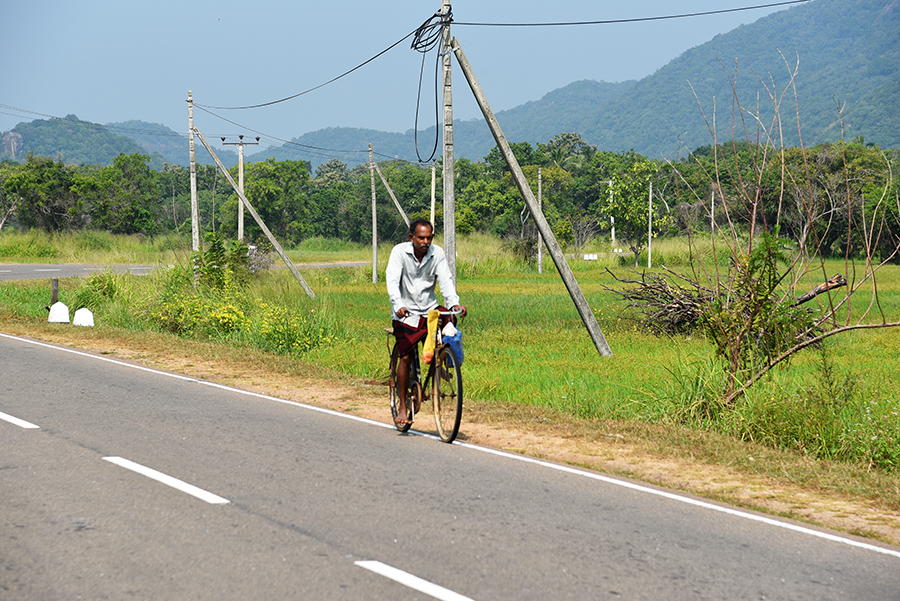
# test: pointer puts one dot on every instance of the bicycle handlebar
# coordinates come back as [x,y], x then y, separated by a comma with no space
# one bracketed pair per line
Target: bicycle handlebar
[425,313]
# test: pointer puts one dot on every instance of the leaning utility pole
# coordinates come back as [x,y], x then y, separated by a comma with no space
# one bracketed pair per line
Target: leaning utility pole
[587,316]
[287,261]
[195,205]
[449,194]
[374,218]
[240,146]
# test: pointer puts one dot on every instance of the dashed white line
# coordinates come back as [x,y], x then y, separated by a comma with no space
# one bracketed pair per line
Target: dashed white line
[48,269]
[19,422]
[413,582]
[168,480]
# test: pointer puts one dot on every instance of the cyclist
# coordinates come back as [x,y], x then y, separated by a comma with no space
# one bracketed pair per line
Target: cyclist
[413,270]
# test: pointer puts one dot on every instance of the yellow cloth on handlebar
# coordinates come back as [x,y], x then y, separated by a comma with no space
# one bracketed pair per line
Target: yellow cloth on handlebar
[430,339]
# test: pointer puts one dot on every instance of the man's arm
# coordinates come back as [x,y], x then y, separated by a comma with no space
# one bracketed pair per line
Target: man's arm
[445,281]
[392,275]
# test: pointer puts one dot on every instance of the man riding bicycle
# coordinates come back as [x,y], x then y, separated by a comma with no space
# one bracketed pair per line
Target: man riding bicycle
[413,270]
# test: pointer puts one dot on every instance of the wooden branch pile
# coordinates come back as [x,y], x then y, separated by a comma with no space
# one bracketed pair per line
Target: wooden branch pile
[665,308]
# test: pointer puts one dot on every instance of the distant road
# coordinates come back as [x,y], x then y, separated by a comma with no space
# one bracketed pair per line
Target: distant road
[31,271]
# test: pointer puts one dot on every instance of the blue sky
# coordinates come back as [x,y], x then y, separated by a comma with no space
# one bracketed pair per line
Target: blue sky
[110,61]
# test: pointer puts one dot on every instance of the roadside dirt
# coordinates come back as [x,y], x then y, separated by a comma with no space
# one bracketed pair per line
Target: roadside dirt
[605,447]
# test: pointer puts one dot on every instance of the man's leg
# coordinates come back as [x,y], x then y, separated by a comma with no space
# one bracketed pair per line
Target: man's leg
[403,365]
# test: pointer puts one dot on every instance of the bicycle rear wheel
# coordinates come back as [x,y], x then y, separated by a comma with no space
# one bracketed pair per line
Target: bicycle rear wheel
[447,394]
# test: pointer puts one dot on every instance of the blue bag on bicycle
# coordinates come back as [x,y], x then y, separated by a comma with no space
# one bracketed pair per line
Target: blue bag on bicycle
[453,337]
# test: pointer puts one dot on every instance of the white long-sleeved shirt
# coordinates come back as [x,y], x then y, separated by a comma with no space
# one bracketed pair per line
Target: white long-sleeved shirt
[411,283]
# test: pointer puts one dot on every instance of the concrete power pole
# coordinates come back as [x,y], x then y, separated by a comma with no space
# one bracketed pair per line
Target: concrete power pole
[374,218]
[650,228]
[240,144]
[540,241]
[432,192]
[195,205]
[449,179]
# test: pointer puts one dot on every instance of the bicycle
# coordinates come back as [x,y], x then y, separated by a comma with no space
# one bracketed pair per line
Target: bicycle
[442,385]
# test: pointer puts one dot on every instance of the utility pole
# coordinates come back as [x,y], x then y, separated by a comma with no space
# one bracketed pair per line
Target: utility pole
[612,220]
[433,167]
[540,242]
[449,179]
[650,228]
[565,271]
[195,205]
[240,145]
[374,218]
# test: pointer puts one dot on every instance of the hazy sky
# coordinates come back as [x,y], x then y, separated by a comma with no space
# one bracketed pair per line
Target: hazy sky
[110,61]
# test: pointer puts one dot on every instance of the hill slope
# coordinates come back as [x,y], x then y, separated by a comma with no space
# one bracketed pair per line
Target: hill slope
[848,53]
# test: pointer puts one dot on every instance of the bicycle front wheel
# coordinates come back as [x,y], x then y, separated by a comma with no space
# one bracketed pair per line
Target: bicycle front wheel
[447,394]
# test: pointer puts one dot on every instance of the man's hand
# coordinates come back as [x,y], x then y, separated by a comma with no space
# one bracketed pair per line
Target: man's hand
[402,312]
[459,308]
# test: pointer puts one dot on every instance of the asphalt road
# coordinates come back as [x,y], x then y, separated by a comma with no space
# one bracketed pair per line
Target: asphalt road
[293,502]
[26,271]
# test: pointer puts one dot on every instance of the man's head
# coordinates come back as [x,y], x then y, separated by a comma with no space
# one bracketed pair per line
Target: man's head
[421,234]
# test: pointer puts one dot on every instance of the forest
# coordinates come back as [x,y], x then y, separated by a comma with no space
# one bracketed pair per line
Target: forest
[584,190]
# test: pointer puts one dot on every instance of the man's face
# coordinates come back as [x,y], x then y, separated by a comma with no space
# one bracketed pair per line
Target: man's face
[421,240]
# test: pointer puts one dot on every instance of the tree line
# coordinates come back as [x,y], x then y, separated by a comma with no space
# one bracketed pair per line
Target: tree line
[803,192]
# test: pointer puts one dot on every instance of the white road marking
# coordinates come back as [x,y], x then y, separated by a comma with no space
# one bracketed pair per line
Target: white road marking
[168,480]
[48,269]
[19,422]
[413,582]
[577,472]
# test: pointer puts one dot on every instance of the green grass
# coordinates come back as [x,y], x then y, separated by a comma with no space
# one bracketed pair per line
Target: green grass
[524,341]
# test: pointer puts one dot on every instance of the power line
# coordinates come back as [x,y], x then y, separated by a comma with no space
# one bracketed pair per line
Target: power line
[636,19]
[322,85]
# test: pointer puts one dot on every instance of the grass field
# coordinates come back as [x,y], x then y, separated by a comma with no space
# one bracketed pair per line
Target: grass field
[525,343]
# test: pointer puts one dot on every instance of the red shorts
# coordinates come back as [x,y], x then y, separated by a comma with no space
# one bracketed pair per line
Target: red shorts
[408,337]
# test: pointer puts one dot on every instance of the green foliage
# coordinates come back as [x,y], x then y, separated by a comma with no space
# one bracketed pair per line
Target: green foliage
[45,191]
[123,196]
[227,310]
[750,322]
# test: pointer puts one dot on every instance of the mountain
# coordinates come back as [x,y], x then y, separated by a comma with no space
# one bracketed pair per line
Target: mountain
[569,108]
[849,57]
[70,140]
[848,52]
[75,141]
[172,146]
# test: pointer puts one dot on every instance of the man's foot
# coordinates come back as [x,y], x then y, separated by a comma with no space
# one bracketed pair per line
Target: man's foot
[402,418]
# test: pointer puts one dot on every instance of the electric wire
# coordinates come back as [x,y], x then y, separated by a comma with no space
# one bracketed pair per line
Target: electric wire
[321,85]
[636,19]
[427,37]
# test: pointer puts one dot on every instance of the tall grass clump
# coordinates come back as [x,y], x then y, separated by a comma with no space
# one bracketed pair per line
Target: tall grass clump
[220,301]
[26,246]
